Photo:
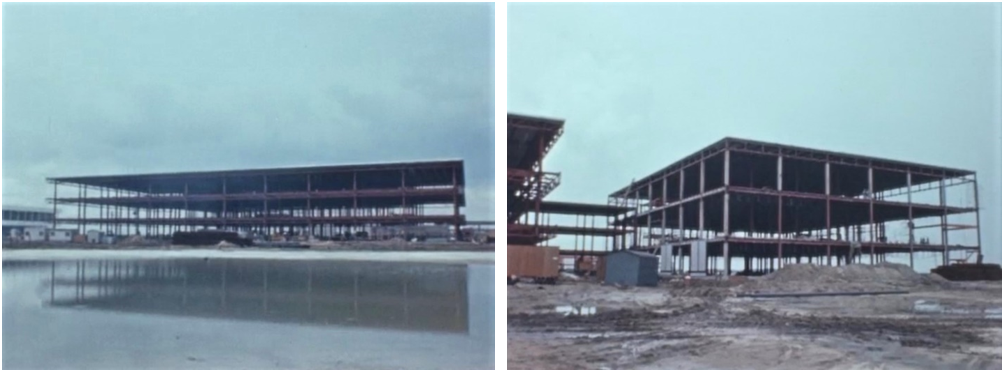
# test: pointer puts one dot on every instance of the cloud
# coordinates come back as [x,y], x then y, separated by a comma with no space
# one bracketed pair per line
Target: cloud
[124,88]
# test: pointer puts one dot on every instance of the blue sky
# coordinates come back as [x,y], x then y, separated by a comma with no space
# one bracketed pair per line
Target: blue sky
[642,85]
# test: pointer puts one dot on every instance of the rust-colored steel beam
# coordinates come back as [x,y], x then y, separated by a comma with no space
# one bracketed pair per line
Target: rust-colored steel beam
[363,193]
[276,220]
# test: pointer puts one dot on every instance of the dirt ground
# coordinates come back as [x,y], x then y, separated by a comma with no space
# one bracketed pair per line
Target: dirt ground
[579,324]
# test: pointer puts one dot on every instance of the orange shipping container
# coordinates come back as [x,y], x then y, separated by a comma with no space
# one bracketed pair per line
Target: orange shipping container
[533,261]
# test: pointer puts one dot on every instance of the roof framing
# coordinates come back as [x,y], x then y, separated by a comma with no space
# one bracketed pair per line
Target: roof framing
[794,152]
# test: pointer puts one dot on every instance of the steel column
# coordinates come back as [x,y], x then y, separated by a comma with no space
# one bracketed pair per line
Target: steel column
[873,238]
[911,224]
[726,213]
[681,207]
[978,223]
[827,208]
[635,223]
[943,222]
[649,217]
[186,203]
[84,231]
[779,215]
[663,214]
[265,205]
[702,205]
[224,201]
[539,175]
[55,186]
[457,219]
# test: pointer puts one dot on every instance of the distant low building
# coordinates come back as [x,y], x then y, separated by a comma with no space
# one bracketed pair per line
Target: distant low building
[18,219]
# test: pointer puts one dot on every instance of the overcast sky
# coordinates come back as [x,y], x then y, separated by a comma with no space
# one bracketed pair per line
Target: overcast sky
[130,88]
[642,85]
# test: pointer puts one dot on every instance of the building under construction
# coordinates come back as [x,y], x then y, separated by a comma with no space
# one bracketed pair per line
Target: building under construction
[770,204]
[529,139]
[750,202]
[323,201]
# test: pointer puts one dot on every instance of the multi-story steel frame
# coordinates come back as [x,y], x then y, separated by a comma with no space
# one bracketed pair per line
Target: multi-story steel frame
[322,200]
[529,139]
[771,204]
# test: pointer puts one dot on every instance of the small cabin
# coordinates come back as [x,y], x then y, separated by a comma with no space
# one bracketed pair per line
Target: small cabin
[60,235]
[94,236]
[631,268]
[34,234]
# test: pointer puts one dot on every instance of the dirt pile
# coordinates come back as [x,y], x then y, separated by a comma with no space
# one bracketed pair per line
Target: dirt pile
[806,278]
[137,241]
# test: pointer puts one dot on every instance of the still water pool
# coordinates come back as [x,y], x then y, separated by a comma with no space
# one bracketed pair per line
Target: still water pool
[129,312]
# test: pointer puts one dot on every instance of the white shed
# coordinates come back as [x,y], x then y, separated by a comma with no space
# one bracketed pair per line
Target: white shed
[61,235]
[34,234]
[94,236]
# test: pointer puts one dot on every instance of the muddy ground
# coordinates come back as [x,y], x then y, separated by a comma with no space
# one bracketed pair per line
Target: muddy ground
[706,325]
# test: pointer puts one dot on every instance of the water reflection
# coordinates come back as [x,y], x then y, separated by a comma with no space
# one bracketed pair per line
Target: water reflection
[404,296]
[934,307]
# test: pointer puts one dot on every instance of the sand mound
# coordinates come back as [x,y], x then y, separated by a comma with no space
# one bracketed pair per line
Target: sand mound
[132,241]
[856,277]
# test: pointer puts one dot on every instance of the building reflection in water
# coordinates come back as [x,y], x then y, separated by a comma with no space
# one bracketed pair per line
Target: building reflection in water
[403,296]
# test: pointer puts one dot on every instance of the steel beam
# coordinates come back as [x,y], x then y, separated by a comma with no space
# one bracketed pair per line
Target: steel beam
[838,160]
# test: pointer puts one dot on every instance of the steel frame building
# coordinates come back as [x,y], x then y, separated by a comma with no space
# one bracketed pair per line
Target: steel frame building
[322,200]
[771,204]
[529,139]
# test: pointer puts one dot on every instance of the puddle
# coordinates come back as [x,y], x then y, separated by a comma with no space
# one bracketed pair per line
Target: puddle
[576,310]
[925,306]
[994,314]
[158,312]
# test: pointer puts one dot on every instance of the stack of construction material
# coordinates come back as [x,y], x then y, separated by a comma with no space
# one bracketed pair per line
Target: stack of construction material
[970,272]
[540,263]
[208,238]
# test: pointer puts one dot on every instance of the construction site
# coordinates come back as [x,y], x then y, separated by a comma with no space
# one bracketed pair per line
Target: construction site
[286,207]
[749,255]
